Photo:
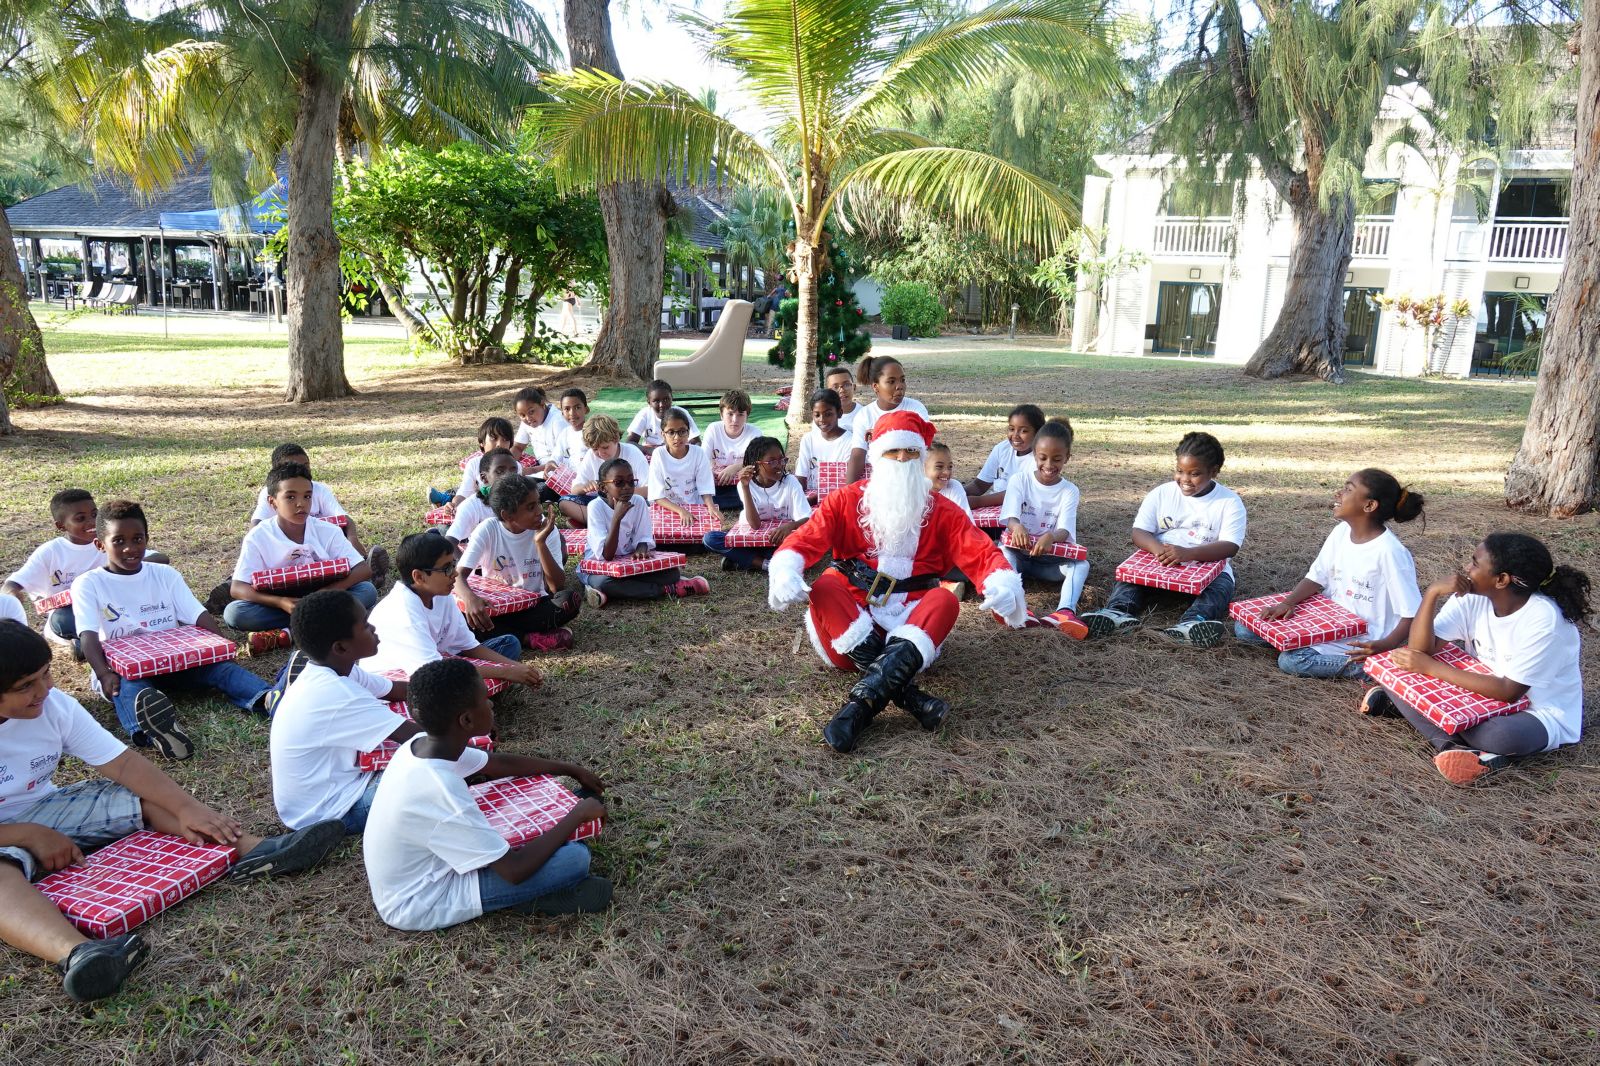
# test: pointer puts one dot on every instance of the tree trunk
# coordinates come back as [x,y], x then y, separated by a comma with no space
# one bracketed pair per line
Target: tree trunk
[22,359]
[1556,471]
[1308,337]
[316,328]
[805,333]
[635,215]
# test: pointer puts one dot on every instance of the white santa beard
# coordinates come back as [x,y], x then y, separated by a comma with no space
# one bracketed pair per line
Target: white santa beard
[894,504]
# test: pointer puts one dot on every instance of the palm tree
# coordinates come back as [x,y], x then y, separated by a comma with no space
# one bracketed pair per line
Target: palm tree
[832,76]
[753,232]
[244,82]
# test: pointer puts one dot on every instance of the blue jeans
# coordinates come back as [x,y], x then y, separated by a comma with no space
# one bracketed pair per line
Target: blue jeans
[355,819]
[1304,662]
[249,617]
[1210,605]
[239,686]
[1069,572]
[62,624]
[506,644]
[567,867]
[743,558]
[727,498]
[438,498]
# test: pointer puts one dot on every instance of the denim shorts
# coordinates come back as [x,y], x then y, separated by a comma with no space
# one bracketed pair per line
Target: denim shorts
[91,813]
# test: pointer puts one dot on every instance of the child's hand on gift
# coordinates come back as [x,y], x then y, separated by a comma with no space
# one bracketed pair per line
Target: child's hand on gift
[728,475]
[1362,650]
[587,779]
[1170,555]
[1418,662]
[198,824]
[1041,544]
[1020,539]
[588,809]
[642,551]
[286,604]
[1282,609]
[110,682]
[476,612]
[53,850]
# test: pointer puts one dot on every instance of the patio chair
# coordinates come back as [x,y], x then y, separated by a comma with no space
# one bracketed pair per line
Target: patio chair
[718,364]
[121,299]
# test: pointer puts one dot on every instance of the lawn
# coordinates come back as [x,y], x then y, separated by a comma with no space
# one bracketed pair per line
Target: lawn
[1117,852]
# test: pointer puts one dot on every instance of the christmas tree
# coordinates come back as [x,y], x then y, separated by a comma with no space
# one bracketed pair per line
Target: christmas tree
[841,340]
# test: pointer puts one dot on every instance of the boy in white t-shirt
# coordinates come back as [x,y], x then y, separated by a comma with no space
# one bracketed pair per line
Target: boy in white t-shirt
[645,429]
[330,713]
[842,380]
[496,464]
[291,537]
[1040,508]
[520,547]
[128,596]
[492,433]
[620,526]
[725,445]
[602,441]
[55,564]
[324,505]
[1192,518]
[432,858]
[44,828]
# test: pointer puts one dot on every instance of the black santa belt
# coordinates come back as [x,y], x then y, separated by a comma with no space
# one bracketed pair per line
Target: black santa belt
[880,586]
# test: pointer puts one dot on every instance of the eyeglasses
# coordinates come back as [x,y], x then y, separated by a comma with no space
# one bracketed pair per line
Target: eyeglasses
[620,483]
[450,570]
[779,461]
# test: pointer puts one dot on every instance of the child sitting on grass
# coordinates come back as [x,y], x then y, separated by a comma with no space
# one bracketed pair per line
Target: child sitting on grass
[619,526]
[1041,509]
[602,440]
[55,564]
[493,433]
[131,595]
[496,464]
[324,504]
[1007,458]
[539,428]
[770,494]
[575,413]
[290,538]
[1192,518]
[725,444]
[645,429]
[826,441]
[330,713]
[1364,568]
[44,828]
[680,472]
[887,379]
[418,621]
[432,858]
[520,547]
[940,466]
[1518,613]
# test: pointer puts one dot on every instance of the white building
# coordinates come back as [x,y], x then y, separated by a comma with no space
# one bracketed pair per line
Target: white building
[1214,277]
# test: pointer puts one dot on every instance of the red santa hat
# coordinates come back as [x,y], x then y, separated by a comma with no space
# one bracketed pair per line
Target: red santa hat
[900,429]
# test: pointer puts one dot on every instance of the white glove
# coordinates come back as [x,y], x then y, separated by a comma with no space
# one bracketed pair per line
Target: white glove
[1004,598]
[786,582]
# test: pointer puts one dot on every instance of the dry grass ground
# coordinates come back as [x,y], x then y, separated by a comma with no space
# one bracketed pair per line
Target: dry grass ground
[1117,852]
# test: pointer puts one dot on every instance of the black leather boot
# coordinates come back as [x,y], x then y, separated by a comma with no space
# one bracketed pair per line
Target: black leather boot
[902,662]
[929,711]
[867,697]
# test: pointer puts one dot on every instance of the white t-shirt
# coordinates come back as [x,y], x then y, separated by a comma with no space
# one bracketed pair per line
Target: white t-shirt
[470,514]
[468,487]
[324,504]
[11,609]
[636,528]
[1190,521]
[648,426]
[54,565]
[547,440]
[31,748]
[847,419]
[683,481]
[571,445]
[322,723]
[867,416]
[268,547]
[1001,465]
[510,558]
[1041,508]
[956,495]
[411,635]
[426,840]
[588,467]
[814,449]
[1533,646]
[115,605]
[725,451]
[1376,581]
[783,502]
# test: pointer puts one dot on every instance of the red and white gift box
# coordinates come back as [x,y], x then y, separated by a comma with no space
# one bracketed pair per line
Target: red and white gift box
[573,541]
[289,577]
[340,520]
[831,477]
[50,603]
[439,516]
[372,761]
[987,517]
[499,598]
[1317,620]
[742,536]
[522,808]
[628,566]
[667,528]
[167,651]
[127,883]
[1142,568]
[1450,707]
[526,461]
[560,480]
[1061,549]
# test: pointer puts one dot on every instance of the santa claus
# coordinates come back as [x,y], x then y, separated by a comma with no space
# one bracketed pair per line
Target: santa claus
[879,607]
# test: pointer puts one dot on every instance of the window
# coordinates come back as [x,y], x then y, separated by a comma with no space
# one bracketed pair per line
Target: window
[1186,317]
[1378,197]
[1532,198]
[1210,200]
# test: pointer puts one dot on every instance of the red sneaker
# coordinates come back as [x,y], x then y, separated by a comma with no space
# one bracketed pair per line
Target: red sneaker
[263,641]
[1031,622]
[691,586]
[559,640]
[1067,622]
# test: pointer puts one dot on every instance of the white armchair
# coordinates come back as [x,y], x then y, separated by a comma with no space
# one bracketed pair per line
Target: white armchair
[718,364]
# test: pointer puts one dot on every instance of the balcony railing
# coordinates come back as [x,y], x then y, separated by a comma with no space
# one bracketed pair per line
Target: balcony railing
[1194,236]
[1371,239]
[1528,240]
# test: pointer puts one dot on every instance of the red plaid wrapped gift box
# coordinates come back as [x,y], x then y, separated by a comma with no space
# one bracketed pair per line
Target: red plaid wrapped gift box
[499,598]
[340,520]
[573,540]
[742,536]
[668,528]
[370,762]
[1061,549]
[1142,568]
[1317,620]
[289,577]
[127,883]
[630,567]
[521,808]
[167,651]
[831,477]
[439,516]
[1450,707]
[526,461]
[50,603]
[560,480]
[987,517]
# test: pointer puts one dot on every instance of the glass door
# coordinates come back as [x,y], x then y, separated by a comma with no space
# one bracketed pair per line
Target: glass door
[1361,313]
[1186,317]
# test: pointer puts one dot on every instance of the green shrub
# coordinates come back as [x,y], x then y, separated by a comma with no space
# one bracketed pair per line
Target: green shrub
[912,304]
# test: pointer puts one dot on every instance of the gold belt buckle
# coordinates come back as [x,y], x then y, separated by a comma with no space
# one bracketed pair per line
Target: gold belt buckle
[876,598]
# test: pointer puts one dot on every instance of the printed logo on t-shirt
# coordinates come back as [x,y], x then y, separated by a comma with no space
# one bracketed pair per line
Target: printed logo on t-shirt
[1192,529]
